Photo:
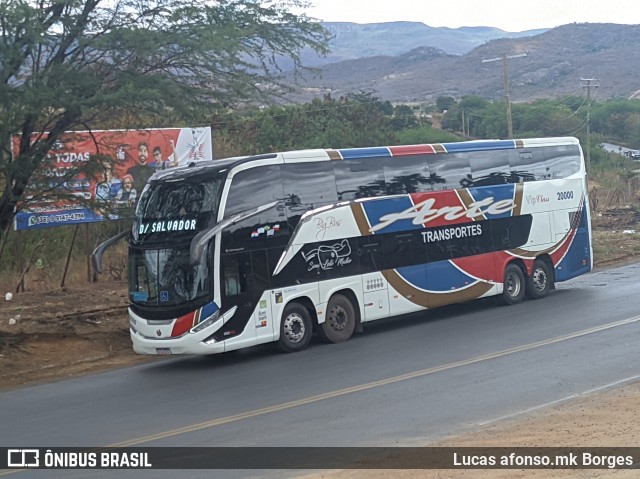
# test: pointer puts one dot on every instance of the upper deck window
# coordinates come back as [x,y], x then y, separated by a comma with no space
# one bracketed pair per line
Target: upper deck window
[407,174]
[359,178]
[177,198]
[450,171]
[176,209]
[490,168]
[254,187]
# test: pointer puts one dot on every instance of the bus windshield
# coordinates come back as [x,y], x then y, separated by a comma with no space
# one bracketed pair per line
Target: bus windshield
[165,277]
[169,214]
[178,197]
[173,210]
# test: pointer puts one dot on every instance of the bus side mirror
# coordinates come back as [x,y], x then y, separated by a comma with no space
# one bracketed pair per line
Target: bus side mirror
[96,256]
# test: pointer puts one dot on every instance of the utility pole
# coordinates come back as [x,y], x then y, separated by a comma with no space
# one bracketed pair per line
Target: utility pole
[589,83]
[505,75]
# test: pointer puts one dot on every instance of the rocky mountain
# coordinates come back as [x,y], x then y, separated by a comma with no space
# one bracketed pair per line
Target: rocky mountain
[354,40]
[556,60]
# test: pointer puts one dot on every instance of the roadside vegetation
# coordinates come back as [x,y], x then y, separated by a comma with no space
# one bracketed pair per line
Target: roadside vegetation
[353,121]
[236,91]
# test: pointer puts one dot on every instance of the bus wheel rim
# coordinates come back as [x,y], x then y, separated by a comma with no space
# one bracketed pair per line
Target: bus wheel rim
[294,328]
[539,279]
[513,285]
[337,318]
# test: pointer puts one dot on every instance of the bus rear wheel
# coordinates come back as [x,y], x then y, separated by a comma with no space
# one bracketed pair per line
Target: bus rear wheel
[340,321]
[514,285]
[540,281]
[296,328]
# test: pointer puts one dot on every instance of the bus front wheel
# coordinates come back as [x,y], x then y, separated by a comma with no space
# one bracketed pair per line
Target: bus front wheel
[540,281]
[340,321]
[514,285]
[296,328]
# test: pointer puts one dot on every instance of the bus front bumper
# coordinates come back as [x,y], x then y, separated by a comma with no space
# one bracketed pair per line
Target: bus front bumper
[190,343]
[198,340]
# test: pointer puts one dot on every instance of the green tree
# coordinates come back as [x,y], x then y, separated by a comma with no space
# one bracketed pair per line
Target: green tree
[443,103]
[425,134]
[403,118]
[352,121]
[74,64]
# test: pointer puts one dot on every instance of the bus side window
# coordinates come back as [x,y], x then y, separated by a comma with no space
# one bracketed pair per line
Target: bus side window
[450,171]
[236,274]
[254,187]
[490,168]
[307,186]
[359,178]
[249,189]
[524,166]
[370,253]
[562,161]
[231,283]
[407,174]
[405,248]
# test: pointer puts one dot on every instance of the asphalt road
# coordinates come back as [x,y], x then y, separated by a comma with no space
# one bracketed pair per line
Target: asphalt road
[406,381]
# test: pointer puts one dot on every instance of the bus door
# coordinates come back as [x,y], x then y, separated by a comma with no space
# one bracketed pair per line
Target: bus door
[263,321]
[235,286]
[244,283]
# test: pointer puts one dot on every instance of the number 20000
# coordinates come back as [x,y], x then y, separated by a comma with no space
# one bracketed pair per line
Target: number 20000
[565,195]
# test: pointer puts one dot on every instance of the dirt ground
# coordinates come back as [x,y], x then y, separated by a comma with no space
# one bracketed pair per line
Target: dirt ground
[64,333]
[52,335]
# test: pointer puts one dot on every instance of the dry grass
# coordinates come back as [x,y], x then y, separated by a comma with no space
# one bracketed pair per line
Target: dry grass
[49,276]
[612,245]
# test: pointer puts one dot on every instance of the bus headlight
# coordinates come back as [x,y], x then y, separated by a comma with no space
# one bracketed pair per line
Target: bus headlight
[132,323]
[206,323]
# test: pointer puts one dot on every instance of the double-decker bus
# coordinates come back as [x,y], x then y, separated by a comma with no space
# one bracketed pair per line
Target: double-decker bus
[232,253]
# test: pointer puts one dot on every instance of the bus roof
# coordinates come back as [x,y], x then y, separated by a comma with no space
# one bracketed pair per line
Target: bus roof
[222,165]
[463,146]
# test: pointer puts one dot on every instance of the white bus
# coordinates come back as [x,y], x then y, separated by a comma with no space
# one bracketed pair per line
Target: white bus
[233,253]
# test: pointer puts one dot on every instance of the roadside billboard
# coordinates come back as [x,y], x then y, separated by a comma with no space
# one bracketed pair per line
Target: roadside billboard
[127,159]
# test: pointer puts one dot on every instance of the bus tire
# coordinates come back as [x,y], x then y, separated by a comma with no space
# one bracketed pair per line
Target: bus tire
[340,320]
[540,281]
[296,328]
[514,285]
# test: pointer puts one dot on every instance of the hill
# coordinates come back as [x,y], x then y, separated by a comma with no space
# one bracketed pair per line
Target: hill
[556,61]
[353,40]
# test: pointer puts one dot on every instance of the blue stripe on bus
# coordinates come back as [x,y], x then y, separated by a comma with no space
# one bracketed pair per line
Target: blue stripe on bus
[383,151]
[577,260]
[498,192]
[377,209]
[353,153]
[440,276]
[208,309]
[480,145]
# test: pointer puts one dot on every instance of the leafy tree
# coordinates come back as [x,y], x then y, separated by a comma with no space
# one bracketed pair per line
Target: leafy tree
[403,118]
[452,119]
[74,64]
[425,134]
[443,103]
[548,118]
[352,121]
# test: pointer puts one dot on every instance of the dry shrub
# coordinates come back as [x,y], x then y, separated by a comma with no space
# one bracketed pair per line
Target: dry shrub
[49,276]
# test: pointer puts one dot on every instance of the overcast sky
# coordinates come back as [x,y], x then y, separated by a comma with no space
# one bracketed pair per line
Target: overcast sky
[508,15]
